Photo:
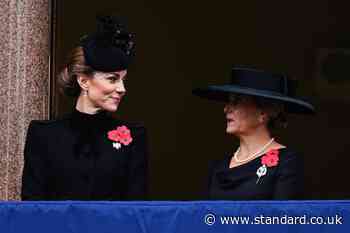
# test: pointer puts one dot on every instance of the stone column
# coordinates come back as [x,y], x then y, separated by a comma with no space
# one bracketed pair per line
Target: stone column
[24,82]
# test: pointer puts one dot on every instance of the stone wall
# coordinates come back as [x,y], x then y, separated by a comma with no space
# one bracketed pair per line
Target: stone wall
[24,82]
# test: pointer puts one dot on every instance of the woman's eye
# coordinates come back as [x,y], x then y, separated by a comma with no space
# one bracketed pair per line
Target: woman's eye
[113,79]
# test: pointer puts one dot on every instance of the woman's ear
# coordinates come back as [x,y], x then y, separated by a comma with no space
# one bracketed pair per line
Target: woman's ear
[263,117]
[83,82]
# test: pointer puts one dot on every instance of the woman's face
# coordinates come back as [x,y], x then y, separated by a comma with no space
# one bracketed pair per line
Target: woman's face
[106,90]
[242,116]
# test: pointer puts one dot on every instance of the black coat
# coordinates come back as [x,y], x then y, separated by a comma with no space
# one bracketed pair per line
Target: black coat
[73,159]
[281,182]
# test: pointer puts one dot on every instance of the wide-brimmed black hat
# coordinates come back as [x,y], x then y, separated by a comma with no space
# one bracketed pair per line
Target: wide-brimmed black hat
[111,48]
[259,83]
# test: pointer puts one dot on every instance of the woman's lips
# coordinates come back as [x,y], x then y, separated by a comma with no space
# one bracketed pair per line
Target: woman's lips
[230,120]
[115,99]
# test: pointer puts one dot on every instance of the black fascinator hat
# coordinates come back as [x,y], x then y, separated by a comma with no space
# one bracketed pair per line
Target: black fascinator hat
[111,47]
[258,83]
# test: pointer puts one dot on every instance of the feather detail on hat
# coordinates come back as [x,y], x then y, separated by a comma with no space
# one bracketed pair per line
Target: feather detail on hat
[111,47]
[112,30]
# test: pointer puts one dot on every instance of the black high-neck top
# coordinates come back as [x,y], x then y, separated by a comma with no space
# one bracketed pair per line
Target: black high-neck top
[87,128]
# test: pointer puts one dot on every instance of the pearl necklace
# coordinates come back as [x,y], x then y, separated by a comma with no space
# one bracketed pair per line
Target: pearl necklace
[253,155]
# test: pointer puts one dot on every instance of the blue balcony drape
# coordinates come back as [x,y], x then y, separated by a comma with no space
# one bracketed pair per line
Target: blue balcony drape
[175,216]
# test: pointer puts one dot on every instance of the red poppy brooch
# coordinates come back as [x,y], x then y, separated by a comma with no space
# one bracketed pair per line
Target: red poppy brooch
[120,136]
[270,159]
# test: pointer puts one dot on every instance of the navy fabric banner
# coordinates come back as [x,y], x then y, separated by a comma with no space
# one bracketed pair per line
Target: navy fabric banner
[180,217]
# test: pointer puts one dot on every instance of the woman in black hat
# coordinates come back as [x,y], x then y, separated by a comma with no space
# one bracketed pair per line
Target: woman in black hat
[88,155]
[261,168]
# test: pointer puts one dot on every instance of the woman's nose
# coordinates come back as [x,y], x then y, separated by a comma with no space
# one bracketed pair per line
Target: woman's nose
[226,108]
[229,108]
[121,87]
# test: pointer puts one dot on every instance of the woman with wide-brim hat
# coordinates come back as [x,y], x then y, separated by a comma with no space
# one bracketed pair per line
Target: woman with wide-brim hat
[261,168]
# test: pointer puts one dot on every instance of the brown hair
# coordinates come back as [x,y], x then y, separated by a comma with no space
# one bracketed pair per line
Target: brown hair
[75,65]
[275,111]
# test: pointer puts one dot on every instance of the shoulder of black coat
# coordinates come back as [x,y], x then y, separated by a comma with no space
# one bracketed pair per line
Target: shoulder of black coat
[50,123]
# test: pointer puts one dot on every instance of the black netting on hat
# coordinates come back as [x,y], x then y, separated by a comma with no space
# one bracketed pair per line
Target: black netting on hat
[111,48]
